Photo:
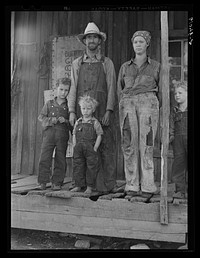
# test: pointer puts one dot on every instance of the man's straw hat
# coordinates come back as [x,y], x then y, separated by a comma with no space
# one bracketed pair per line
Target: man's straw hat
[91,29]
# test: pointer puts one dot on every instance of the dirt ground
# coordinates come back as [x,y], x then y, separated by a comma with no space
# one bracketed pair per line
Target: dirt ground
[25,239]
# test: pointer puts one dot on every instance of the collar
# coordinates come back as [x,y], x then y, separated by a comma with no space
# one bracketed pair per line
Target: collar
[177,109]
[89,121]
[96,56]
[132,60]
[55,101]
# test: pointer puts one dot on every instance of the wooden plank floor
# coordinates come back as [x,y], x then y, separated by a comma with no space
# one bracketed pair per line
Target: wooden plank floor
[107,215]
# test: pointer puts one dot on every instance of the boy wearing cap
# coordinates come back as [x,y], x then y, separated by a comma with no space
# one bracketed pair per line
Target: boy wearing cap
[138,87]
[55,122]
[94,74]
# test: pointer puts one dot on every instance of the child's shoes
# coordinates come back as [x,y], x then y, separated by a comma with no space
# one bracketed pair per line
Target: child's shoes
[56,187]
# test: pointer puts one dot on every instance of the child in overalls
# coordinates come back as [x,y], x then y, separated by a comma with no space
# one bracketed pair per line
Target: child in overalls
[178,137]
[87,135]
[55,122]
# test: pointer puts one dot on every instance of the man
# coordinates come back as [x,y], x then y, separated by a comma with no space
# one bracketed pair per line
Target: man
[94,74]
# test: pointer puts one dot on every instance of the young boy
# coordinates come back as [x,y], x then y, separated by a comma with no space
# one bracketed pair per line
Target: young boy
[178,137]
[55,122]
[87,135]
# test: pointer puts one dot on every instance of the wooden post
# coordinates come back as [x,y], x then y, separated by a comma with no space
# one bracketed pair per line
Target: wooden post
[164,117]
[12,41]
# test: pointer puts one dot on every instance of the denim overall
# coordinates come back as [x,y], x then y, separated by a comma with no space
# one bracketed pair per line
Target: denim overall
[92,80]
[85,159]
[54,136]
[179,167]
[138,123]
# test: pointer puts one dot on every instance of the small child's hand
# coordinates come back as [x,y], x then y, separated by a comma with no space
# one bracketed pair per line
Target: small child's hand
[54,120]
[95,149]
[171,138]
[61,119]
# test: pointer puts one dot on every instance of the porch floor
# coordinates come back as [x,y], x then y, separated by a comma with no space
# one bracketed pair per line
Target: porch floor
[114,214]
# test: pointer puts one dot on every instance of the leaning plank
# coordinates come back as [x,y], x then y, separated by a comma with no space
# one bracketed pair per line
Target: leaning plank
[17,176]
[28,180]
[98,226]
[156,198]
[30,183]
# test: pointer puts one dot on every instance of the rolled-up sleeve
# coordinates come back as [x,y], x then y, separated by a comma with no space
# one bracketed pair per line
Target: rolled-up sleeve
[120,82]
[98,128]
[74,80]
[111,83]
[43,116]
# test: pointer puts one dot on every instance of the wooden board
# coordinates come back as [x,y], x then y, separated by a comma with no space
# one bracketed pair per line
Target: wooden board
[117,208]
[117,218]
[17,177]
[29,183]
[164,116]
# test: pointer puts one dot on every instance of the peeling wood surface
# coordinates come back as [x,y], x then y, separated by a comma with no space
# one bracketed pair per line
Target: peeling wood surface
[117,218]
[108,215]
[164,117]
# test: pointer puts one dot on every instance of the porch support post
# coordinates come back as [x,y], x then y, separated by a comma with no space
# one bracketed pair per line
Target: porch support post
[164,117]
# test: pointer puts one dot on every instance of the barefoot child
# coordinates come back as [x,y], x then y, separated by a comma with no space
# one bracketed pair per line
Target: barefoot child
[87,135]
[178,137]
[55,122]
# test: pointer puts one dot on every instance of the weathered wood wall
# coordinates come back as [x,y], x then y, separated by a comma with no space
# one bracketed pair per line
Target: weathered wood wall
[33,32]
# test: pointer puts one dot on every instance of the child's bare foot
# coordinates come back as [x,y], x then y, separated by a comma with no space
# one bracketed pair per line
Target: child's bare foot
[88,190]
[75,189]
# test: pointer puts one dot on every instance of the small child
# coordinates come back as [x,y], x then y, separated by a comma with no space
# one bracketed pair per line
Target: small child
[55,122]
[87,135]
[178,137]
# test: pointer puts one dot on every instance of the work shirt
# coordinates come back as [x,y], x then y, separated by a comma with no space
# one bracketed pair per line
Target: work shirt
[133,80]
[110,79]
[52,109]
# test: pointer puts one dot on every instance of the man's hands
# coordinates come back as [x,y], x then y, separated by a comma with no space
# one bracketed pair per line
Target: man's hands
[106,118]
[72,118]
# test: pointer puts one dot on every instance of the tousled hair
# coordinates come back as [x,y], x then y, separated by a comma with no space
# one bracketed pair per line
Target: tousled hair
[86,99]
[64,81]
[181,84]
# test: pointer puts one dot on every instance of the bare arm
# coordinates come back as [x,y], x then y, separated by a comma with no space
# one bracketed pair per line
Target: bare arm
[111,89]
[73,91]
[120,83]
[74,136]
[97,143]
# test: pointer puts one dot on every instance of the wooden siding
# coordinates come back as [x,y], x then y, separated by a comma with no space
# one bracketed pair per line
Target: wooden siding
[31,63]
